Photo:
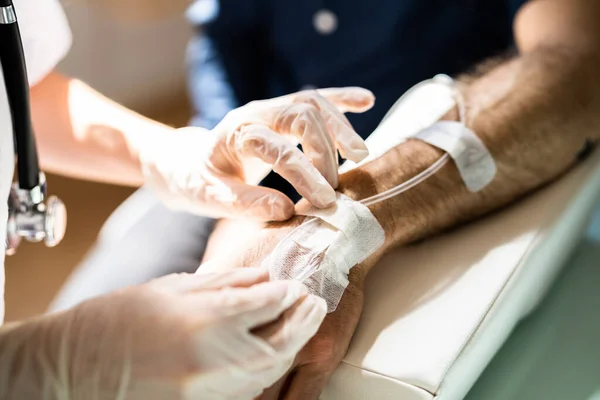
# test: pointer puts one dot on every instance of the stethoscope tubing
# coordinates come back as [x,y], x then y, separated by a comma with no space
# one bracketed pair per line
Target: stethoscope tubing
[14,71]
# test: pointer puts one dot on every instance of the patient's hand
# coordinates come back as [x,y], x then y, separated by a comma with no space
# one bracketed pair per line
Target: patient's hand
[321,356]
[315,364]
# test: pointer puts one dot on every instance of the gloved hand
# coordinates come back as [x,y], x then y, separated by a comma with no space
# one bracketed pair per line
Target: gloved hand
[215,173]
[212,336]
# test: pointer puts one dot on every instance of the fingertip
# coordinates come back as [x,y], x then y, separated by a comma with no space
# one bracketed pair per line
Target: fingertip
[282,208]
[367,97]
[359,99]
[363,107]
[358,154]
[264,204]
[353,99]
[295,290]
[323,198]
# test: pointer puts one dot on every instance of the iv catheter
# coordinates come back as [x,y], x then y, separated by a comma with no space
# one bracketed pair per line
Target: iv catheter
[29,217]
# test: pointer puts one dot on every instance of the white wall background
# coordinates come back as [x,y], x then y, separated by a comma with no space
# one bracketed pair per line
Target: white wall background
[138,63]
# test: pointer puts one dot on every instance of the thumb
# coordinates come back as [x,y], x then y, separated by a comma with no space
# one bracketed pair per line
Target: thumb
[349,99]
[259,203]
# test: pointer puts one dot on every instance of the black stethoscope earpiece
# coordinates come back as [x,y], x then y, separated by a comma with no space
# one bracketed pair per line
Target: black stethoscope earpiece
[29,217]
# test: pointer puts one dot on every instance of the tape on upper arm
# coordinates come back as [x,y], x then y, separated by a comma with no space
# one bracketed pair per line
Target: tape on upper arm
[473,160]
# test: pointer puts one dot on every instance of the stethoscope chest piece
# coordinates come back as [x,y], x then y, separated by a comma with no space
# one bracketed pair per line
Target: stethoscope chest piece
[31,219]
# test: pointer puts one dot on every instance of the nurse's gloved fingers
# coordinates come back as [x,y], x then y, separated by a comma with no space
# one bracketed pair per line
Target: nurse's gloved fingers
[306,384]
[288,161]
[238,278]
[305,122]
[295,327]
[270,376]
[188,283]
[273,391]
[349,99]
[256,203]
[309,124]
[348,142]
[258,305]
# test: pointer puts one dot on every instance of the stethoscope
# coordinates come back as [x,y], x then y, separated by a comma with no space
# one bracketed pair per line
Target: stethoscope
[29,216]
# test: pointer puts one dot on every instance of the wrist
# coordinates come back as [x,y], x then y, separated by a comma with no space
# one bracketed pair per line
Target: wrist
[411,158]
[408,216]
[167,156]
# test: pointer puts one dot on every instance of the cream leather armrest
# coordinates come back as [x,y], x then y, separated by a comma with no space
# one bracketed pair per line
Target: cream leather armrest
[436,313]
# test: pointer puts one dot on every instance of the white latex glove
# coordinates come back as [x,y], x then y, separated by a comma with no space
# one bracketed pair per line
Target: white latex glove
[179,337]
[215,173]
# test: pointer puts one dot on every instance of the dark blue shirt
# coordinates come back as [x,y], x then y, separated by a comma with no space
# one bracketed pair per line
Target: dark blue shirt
[254,49]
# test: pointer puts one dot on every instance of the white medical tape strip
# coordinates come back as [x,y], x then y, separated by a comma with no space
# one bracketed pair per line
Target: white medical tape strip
[321,251]
[473,160]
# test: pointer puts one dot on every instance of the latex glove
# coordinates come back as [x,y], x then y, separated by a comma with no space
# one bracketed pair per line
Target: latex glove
[178,337]
[215,173]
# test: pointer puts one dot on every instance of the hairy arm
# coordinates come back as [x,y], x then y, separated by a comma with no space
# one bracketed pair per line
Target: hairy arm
[85,135]
[534,112]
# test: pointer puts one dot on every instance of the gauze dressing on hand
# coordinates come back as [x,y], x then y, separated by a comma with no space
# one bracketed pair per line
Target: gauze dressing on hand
[321,251]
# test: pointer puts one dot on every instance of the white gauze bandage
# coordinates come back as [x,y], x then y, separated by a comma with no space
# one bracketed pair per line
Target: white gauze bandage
[321,251]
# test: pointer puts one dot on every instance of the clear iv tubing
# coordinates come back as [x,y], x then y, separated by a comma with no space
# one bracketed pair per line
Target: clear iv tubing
[421,177]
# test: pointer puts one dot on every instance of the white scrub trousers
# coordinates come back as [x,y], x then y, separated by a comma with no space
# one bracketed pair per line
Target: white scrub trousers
[141,240]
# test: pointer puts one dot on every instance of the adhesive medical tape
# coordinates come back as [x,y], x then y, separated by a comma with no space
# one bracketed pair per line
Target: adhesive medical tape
[322,250]
[357,225]
[473,160]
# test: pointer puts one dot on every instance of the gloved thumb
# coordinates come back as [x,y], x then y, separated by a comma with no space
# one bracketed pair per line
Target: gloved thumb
[258,203]
[349,99]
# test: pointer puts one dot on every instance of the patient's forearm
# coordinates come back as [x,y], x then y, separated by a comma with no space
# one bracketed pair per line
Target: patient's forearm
[534,114]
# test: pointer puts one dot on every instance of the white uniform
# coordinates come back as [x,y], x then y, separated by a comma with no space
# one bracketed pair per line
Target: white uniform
[46,39]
